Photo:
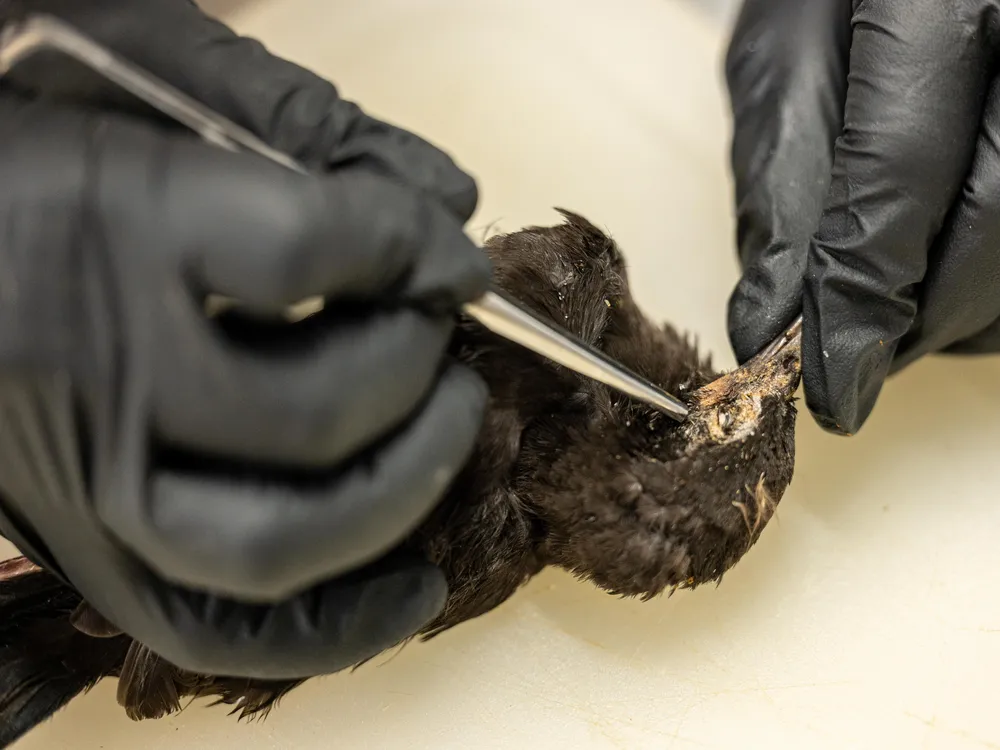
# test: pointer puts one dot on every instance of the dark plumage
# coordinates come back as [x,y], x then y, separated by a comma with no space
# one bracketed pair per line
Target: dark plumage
[566,473]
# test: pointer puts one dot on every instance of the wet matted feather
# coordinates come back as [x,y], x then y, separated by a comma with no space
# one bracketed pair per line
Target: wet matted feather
[566,472]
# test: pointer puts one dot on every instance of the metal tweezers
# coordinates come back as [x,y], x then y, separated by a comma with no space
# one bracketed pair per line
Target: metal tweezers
[496,310]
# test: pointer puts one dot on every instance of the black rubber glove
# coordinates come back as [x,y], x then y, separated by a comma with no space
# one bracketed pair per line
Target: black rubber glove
[149,454]
[873,207]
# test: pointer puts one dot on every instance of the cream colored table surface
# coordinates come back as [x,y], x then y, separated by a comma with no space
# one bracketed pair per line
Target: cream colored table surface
[868,616]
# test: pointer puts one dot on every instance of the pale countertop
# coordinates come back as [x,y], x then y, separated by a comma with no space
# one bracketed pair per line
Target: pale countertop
[868,616]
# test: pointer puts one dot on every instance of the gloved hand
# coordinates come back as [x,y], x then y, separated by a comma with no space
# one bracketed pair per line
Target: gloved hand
[874,207]
[231,495]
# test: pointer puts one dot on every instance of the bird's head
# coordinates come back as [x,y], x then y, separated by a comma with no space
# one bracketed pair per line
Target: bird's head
[640,503]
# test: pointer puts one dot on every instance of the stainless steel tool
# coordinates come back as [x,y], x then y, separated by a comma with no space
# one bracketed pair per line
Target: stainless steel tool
[791,335]
[496,309]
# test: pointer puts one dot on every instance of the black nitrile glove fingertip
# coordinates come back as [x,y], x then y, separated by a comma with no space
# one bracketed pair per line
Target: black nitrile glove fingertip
[424,594]
[759,310]
[335,626]
[835,415]
[388,602]
[843,374]
[460,195]
[748,334]
[468,395]
[413,161]
[461,272]
[403,592]
[436,171]
[830,424]
[846,425]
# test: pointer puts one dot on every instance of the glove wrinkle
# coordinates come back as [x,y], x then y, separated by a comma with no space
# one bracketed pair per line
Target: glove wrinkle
[863,134]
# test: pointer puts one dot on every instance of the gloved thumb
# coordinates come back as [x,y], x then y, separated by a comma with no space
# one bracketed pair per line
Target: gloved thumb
[786,70]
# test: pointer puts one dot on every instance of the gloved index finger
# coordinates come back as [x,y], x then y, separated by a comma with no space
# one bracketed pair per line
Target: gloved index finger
[270,238]
[916,87]
[287,106]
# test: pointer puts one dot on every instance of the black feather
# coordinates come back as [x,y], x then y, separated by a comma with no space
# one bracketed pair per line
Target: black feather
[565,472]
[45,661]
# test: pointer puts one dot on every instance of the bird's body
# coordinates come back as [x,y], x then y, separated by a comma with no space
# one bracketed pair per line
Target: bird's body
[566,472]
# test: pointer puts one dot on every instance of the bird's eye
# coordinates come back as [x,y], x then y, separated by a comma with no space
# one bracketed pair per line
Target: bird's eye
[725,419]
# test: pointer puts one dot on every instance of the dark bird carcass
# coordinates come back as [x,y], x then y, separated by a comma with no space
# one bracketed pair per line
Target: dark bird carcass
[566,472]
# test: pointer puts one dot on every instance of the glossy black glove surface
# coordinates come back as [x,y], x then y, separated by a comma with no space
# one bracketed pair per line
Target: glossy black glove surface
[135,429]
[868,187]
